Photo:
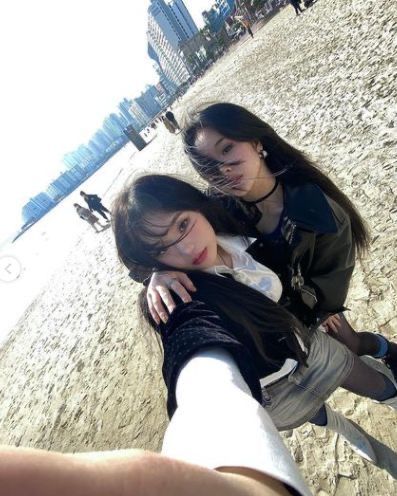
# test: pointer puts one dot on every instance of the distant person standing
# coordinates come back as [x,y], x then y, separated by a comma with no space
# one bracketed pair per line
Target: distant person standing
[95,203]
[296,6]
[168,125]
[246,24]
[171,118]
[88,216]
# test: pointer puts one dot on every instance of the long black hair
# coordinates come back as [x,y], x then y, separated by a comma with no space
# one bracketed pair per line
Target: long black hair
[160,193]
[291,165]
[154,193]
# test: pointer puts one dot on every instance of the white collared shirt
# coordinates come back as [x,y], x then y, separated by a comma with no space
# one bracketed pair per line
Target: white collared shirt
[247,270]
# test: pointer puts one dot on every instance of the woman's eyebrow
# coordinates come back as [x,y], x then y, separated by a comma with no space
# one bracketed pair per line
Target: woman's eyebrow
[171,223]
[219,140]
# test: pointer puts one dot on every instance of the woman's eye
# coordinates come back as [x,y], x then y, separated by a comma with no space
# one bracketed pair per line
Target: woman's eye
[183,225]
[227,149]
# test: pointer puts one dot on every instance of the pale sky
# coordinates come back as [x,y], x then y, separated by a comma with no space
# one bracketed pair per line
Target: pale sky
[65,65]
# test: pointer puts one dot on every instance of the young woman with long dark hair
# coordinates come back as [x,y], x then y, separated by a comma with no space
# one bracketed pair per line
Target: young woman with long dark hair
[163,223]
[308,231]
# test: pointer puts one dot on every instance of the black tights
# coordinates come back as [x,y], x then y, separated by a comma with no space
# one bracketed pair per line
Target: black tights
[365,381]
[101,210]
[360,343]
[297,7]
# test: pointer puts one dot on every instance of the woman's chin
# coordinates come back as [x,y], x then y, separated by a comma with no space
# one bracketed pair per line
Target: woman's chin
[238,192]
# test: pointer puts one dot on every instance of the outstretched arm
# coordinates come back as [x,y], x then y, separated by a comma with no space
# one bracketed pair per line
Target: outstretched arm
[217,426]
[127,473]
[220,426]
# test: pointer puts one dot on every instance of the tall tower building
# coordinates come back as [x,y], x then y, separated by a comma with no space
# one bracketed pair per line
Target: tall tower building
[148,102]
[169,26]
[183,19]
[169,86]
[225,7]
[140,115]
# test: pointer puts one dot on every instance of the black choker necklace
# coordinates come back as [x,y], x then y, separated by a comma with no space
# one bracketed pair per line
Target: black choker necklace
[263,197]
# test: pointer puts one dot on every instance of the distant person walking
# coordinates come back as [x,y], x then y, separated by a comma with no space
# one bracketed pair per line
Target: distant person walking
[95,203]
[168,125]
[246,24]
[88,216]
[171,118]
[296,6]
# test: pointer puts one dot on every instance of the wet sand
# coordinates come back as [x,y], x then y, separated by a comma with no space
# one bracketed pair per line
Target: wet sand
[80,372]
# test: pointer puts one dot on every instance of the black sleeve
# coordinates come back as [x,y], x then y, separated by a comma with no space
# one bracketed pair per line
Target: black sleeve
[191,327]
[333,263]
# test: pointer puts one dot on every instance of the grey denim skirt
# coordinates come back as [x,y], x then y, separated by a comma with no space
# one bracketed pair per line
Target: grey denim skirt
[296,398]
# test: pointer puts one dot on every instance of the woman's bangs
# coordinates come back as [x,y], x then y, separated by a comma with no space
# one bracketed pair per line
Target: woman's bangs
[151,239]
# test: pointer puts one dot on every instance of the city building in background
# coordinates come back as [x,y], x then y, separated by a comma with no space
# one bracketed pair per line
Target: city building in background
[124,107]
[225,7]
[216,16]
[139,114]
[180,53]
[183,19]
[170,60]
[169,87]
[176,49]
[36,207]
[170,28]
[148,101]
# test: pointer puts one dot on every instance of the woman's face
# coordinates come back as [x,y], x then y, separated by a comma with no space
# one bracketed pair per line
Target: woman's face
[192,239]
[240,162]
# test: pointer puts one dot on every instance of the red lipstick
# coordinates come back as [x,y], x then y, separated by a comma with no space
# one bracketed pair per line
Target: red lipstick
[201,257]
[235,181]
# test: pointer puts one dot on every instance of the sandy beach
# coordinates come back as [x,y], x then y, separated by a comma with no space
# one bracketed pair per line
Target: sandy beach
[81,372]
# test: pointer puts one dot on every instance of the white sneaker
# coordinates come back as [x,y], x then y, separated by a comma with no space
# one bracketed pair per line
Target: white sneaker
[363,443]
[352,434]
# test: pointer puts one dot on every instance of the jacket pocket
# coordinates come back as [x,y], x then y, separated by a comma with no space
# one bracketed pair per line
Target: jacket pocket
[308,296]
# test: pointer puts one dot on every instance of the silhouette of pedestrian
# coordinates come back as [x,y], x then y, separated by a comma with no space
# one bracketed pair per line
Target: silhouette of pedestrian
[88,216]
[171,118]
[296,6]
[95,203]
[247,26]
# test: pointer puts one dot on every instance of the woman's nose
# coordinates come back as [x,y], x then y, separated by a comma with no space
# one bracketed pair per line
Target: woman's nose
[185,247]
[225,168]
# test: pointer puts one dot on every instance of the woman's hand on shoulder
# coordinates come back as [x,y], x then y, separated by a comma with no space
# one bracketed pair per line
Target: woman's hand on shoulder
[159,298]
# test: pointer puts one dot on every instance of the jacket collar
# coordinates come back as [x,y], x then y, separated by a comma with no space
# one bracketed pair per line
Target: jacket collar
[307,206]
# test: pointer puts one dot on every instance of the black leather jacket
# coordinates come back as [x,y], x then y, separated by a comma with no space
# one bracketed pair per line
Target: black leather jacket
[320,251]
